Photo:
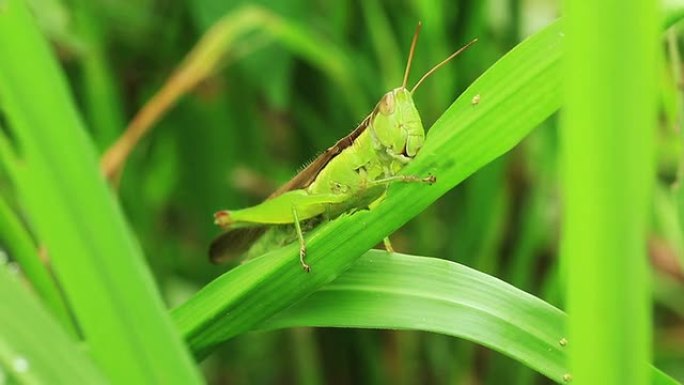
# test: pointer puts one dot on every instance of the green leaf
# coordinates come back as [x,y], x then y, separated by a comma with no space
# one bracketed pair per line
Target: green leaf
[383,291]
[98,263]
[34,349]
[418,293]
[608,174]
[21,247]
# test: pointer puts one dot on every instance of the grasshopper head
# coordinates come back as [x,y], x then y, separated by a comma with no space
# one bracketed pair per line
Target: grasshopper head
[396,126]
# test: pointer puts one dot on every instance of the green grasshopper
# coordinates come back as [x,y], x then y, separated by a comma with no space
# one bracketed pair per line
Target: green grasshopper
[354,173]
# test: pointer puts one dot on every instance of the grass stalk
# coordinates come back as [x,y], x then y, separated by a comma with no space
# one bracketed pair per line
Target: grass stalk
[607,168]
[98,263]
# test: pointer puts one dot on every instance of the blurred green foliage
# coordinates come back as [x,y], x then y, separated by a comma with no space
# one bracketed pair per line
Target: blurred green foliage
[274,105]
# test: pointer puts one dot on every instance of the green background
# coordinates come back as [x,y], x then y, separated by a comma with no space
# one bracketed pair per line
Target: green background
[533,210]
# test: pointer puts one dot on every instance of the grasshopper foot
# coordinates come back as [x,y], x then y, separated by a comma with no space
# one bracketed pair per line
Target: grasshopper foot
[302,255]
[430,179]
[388,245]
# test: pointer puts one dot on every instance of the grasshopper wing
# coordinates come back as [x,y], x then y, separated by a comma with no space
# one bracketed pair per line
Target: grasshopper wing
[234,243]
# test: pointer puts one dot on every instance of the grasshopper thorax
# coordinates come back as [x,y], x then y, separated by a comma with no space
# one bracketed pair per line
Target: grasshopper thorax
[397,128]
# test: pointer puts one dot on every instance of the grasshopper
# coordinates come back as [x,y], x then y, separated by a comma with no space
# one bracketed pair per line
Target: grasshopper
[354,173]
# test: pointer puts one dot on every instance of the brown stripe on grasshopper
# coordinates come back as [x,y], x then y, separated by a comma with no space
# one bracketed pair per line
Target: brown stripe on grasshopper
[305,177]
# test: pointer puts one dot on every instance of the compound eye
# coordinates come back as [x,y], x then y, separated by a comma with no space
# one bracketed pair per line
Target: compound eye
[386,105]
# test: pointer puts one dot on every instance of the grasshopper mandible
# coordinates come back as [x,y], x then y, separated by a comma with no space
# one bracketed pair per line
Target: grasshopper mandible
[353,173]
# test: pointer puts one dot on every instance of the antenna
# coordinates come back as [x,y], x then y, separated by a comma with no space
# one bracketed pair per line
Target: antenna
[410,58]
[443,62]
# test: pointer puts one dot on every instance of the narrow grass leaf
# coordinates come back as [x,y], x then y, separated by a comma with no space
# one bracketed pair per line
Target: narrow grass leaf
[19,244]
[99,264]
[206,58]
[383,291]
[608,172]
[34,349]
